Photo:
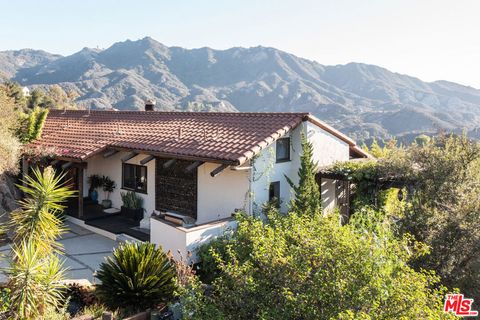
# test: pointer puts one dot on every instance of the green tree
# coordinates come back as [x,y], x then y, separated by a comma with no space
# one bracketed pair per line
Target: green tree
[445,210]
[311,267]
[32,125]
[36,98]
[15,91]
[307,194]
[9,144]
[441,180]
[52,98]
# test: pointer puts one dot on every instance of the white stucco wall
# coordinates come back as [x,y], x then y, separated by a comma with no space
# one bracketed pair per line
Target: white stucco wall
[267,170]
[219,196]
[329,200]
[327,149]
[112,167]
[175,239]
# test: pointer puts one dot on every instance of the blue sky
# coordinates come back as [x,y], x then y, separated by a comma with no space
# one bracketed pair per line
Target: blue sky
[425,38]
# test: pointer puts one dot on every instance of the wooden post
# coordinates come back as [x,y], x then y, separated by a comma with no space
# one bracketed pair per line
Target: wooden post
[24,170]
[80,193]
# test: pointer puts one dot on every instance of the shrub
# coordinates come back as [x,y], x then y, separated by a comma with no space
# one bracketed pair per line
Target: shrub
[311,267]
[79,297]
[35,270]
[37,218]
[9,144]
[136,277]
[34,281]
[108,186]
[207,268]
[95,181]
[4,300]
[131,200]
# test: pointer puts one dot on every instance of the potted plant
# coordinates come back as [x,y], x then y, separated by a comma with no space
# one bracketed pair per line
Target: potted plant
[108,187]
[132,206]
[95,181]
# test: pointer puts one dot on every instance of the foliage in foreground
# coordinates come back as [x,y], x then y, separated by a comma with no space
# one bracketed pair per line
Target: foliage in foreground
[9,144]
[37,220]
[306,193]
[312,267]
[34,281]
[35,270]
[442,177]
[136,277]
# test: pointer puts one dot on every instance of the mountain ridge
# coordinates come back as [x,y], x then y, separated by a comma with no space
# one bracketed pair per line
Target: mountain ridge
[362,100]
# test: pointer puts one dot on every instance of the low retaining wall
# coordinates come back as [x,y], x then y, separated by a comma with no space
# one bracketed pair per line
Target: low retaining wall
[180,240]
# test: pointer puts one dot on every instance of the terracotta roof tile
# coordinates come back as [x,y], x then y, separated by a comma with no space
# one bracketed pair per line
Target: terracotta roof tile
[223,137]
[219,137]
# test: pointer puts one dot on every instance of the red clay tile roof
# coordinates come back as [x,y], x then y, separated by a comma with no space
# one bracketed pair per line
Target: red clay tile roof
[231,138]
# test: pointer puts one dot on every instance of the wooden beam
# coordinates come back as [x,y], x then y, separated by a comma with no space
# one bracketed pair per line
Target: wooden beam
[175,156]
[146,160]
[169,163]
[240,168]
[80,193]
[129,156]
[67,165]
[193,166]
[110,153]
[218,170]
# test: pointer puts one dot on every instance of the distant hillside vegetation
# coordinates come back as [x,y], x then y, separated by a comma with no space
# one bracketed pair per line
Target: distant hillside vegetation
[362,100]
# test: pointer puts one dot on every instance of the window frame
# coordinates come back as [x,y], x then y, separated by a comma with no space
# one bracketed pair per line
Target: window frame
[278,186]
[288,157]
[136,166]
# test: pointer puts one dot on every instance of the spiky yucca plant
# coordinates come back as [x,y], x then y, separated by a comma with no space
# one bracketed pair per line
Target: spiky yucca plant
[34,281]
[35,270]
[37,219]
[137,276]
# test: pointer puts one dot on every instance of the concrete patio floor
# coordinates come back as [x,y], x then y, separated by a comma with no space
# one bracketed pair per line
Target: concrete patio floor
[83,252]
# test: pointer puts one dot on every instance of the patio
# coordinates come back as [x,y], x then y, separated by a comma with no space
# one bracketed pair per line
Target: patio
[84,251]
[115,223]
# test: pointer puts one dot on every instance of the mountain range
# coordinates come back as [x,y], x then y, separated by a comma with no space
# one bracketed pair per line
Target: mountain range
[364,101]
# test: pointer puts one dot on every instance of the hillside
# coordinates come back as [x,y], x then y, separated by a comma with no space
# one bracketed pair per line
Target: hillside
[361,100]
[13,60]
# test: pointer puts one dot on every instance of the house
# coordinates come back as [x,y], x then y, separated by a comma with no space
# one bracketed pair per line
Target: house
[193,170]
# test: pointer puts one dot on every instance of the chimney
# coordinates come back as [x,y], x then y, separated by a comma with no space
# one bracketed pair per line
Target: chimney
[150,105]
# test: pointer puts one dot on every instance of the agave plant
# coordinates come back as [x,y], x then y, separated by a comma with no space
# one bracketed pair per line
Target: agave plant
[34,281]
[136,277]
[37,219]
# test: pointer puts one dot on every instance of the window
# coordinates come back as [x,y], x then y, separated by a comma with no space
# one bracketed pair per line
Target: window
[134,178]
[274,193]
[283,149]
